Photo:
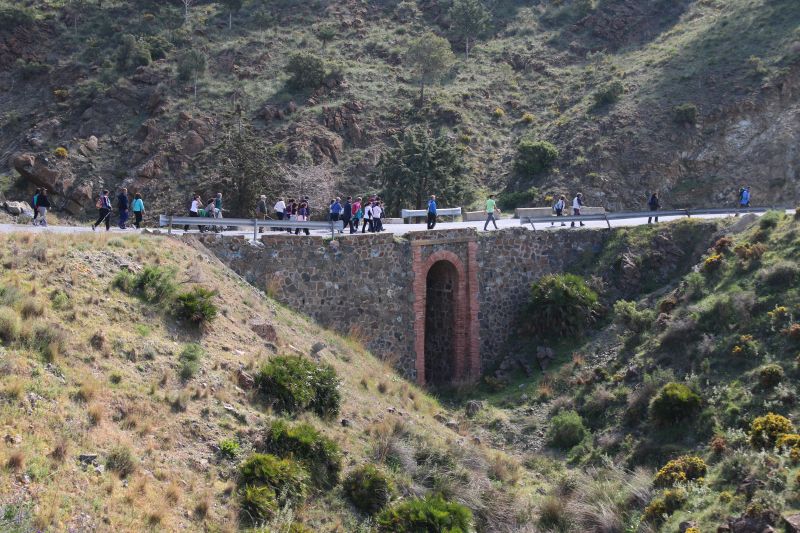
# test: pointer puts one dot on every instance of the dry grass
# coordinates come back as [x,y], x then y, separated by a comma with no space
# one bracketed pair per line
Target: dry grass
[16,461]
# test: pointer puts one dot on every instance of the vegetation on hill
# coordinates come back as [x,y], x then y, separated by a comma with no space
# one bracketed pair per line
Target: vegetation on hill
[617,98]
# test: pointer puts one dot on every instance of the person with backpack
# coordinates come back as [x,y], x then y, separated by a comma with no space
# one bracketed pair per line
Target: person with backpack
[33,204]
[491,208]
[577,204]
[302,216]
[558,208]
[138,210]
[103,205]
[432,212]
[123,204]
[744,197]
[42,205]
[654,205]
[347,213]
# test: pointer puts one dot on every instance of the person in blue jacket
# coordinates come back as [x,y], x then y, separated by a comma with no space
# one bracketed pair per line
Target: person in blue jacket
[432,212]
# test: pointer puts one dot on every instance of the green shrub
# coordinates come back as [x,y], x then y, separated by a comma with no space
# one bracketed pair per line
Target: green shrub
[669,502]
[301,442]
[197,306]
[28,70]
[121,460]
[369,489]
[682,469]
[769,376]
[228,448]
[780,275]
[631,317]
[191,65]
[770,219]
[766,430]
[307,71]
[561,305]
[566,430]
[190,360]
[295,384]
[132,53]
[9,325]
[608,94]
[535,157]
[685,114]
[257,504]
[16,17]
[153,284]
[287,478]
[674,402]
[430,514]
[508,200]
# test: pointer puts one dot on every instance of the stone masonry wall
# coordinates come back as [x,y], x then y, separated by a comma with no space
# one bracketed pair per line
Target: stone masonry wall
[372,286]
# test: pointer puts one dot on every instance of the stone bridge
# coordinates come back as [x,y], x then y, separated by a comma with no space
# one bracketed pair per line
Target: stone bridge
[439,305]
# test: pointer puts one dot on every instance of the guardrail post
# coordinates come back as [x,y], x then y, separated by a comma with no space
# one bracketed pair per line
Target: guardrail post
[169,231]
[608,222]
[255,229]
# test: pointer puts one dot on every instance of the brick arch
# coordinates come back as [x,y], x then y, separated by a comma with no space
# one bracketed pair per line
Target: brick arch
[466,347]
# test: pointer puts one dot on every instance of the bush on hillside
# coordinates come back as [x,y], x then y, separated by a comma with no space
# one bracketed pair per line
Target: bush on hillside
[132,53]
[770,220]
[508,200]
[190,360]
[680,470]
[9,325]
[295,384]
[631,317]
[368,489]
[749,251]
[257,504]
[307,71]
[61,152]
[780,275]
[685,114]
[673,403]
[197,306]
[535,157]
[766,430]
[432,513]
[153,284]
[769,376]
[562,305]
[228,448]
[301,442]
[285,477]
[608,93]
[669,502]
[566,430]
[120,460]
[16,17]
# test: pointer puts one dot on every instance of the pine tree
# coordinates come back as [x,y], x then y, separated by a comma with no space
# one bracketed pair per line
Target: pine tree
[469,19]
[421,165]
[430,57]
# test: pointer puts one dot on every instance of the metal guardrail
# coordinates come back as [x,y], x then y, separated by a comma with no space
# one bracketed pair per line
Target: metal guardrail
[169,221]
[422,213]
[608,217]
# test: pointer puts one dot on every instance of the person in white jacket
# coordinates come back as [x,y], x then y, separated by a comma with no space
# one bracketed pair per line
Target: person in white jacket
[559,208]
[577,204]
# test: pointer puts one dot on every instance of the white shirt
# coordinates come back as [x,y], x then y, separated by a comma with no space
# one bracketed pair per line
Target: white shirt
[368,212]
[576,203]
[560,204]
[194,207]
[280,207]
[377,212]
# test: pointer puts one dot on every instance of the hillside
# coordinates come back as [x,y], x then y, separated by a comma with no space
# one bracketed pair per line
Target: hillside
[692,98]
[118,415]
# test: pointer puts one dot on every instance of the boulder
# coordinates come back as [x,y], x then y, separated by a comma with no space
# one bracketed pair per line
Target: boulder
[245,380]
[792,523]
[264,330]
[544,356]
[18,208]
[92,143]
[473,407]
[193,144]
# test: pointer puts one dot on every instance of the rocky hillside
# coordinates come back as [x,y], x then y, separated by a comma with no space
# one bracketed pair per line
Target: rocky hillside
[691,97]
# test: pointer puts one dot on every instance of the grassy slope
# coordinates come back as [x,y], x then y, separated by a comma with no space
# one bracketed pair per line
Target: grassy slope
[127,392]
[713,53]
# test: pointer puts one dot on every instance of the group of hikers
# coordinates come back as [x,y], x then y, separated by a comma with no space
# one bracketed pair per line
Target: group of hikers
[355,213]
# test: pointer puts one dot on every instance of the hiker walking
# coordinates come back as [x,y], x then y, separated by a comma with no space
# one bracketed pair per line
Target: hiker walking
[377,214]
[367,217]
[358,213]
[558,207]
[336,209]
[123,205]
[432,212]
[33,204]
[491,208]
[347,213]
[302,216]
[42,204]
[138,210]
[654,205]
[261,210]
[103,205]
[577,205]
[744,197]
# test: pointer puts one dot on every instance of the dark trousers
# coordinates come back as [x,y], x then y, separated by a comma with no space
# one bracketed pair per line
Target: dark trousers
[191,214]
[367,222]
[137,216]
[651,218]
[123,218]
[346,222]
[431,220]
[559,213]
[353,225]
[377,225]
[576,212]
[105,215]
[490,218]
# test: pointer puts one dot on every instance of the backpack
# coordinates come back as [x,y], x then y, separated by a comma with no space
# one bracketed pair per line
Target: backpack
[99,203]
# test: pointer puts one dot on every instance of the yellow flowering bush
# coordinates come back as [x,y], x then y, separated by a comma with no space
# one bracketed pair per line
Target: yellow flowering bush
[528,118]
[712,263]
[766,430]
[682,469]
[498,112]
[746,346]
[61,152]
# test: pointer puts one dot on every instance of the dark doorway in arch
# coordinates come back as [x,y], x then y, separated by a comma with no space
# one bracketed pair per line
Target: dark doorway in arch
[440,323]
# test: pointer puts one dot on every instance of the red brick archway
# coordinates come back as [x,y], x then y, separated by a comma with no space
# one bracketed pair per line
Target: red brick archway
[465,354]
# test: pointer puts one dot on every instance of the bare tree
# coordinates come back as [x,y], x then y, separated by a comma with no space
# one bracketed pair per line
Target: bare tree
[186,5]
